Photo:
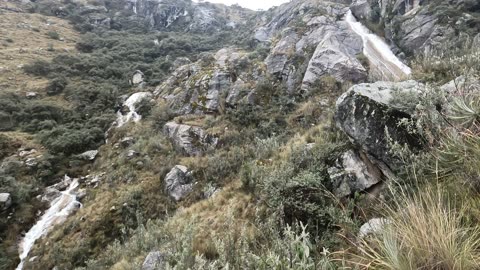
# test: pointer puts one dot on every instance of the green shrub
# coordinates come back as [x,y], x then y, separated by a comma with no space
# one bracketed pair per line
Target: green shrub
[72,141]
[56,86]
[53,35]
[38,68]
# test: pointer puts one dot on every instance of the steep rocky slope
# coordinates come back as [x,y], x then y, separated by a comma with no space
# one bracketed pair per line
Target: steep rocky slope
[194,134]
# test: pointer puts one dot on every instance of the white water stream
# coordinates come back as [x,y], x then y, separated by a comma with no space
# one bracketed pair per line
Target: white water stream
[379,54]
[131,104]
[59,210]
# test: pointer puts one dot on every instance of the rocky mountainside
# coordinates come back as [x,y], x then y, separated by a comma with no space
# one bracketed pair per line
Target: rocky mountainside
[162,134]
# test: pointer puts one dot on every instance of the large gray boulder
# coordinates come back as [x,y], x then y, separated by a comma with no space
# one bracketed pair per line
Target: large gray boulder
[154,261]
[353,173]
[368,115]
[333,57]
[5,201]
[190,140]
[178,182]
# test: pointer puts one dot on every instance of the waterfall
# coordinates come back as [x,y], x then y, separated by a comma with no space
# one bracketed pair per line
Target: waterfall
[58,212]
[131,104]
[379,54]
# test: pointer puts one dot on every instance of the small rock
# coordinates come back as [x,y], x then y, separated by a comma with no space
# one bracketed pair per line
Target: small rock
[31,162]
[373,226]
[127,141]
[89,155]
[154,261]
[138,77]
[132,153]
[24,153]
[5,201]
[31,95]
[50,194]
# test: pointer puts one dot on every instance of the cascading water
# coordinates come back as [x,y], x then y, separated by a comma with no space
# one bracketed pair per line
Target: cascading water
[58,212]
[379,54]
[131,104]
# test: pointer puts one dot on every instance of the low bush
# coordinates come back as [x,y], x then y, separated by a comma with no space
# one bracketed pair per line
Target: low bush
[53,35]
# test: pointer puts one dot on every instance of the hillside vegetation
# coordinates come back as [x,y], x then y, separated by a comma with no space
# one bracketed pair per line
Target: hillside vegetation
[233,139]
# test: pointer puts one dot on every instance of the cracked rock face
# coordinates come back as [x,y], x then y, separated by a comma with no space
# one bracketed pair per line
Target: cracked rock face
[191,141]
[367,115]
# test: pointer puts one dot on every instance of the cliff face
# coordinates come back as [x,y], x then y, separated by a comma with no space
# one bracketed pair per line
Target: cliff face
[188,15]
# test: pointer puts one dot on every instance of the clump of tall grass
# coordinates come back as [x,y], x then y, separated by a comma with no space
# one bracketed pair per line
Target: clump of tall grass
[428,230]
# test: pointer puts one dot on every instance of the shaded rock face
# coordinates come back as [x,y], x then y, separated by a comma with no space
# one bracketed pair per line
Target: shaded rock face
[278,57]
[419,32]
[365,113]
[353,173]
[191,141]
[154,261]
[178,182]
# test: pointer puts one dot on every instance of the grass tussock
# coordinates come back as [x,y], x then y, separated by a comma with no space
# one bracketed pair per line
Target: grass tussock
[428,230]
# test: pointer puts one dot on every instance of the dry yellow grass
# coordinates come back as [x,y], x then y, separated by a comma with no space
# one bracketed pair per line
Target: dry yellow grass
[229,206]
[427,231]
[23,39]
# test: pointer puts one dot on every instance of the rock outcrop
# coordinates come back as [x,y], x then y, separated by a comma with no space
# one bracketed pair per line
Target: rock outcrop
[368,116]
[189,140]
[179,182]
[211,83]
[187,15]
